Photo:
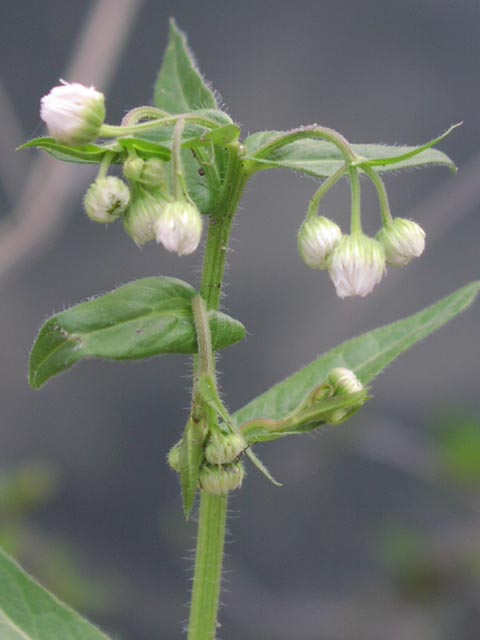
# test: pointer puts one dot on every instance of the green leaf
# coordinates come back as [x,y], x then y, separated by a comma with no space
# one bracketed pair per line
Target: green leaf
[94,153]
[191,457]
[322,159]
[180,87]
[86,154]
[145,318]
[29,612]
[366,355]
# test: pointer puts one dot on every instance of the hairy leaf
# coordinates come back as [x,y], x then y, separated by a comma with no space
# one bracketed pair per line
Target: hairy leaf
[29,612]
[180,87]
[366,355]
[145,318]
[322,159]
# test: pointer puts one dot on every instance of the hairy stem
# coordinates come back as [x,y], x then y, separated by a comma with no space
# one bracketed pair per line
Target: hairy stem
[213,509]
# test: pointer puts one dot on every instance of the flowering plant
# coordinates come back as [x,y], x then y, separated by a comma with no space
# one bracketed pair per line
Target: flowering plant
[184,161]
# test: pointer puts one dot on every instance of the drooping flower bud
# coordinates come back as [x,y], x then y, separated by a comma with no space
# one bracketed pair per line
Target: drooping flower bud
[344,381]
[220,480]
[106,199]
[149,173]
[356,265]
[73,113]
[402,240]
[143,214]
[179,228]
[224,448]
[316,239]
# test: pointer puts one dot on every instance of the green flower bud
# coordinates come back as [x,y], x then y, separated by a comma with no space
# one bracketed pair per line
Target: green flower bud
[173,457]
[73,113]
[149,173]
[179,228]
[220,480]
[402,240]
[106,199]
[356,265]
[224,448]
[143,214]
[316,239]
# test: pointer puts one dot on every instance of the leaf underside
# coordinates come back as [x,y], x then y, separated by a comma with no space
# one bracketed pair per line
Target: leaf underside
[367,355]
[148,317]
[30,612]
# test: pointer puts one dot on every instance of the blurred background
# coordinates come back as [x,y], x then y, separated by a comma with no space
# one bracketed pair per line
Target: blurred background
[375,533]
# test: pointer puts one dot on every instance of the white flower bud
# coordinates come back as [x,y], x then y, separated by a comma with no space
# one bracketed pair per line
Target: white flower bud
[179,228]
[224,448]
[143,214]
[219,480]
[356,265]
[344,381]
[316,239]
[150,173]
[402,240]
[73,113]
[106,199]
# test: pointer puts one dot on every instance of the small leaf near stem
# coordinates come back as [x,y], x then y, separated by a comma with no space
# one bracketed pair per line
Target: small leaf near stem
[381,192]
[356,220]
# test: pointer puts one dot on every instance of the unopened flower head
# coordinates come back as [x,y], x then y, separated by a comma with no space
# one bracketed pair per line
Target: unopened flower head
[224,448]
[173,457]
[402,240]
[316,239]
[344,381]
[143,214]
[73,113]
[356,265]
[179,228]
[149,173]
[106,199]
[220,480]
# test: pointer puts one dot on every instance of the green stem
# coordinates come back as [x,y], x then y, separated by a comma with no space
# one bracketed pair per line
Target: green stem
[179,187]
[312,132]
[114,131]
[382,194]
[326,186]
[208,567]
[356,220]
[213,509]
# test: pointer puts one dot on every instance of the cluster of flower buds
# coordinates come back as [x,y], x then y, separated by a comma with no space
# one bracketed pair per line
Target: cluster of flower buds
[356,262]
[74,115]
[222,471]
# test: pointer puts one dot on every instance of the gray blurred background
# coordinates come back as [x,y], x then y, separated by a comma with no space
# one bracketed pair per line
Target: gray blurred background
[375,532]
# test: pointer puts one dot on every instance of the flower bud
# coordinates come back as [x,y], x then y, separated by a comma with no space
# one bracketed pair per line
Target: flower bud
[179,228]
[173,457]
[224,448]
[149,173]
[143,214]
[73,113]
[402,240]
[356,265]
[344,381]
[220,480]
[106,199]
[316,239]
